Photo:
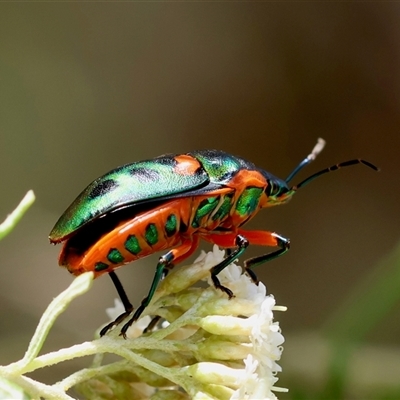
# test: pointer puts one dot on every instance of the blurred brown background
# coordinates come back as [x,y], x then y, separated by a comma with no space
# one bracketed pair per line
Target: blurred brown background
[86,87]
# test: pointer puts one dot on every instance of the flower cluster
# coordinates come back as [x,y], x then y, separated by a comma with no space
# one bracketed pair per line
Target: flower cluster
[209,347]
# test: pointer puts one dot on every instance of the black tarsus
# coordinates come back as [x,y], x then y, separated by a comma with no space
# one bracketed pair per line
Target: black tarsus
[125,301]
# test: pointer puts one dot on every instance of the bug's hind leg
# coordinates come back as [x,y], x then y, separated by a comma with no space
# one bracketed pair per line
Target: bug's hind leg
[165,263]
[125,301]
[177,260]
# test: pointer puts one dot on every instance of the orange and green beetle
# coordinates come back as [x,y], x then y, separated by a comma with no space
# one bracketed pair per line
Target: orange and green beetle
[168,204]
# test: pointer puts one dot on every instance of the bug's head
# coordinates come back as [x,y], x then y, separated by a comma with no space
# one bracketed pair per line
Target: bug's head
[279,191]
[276,192]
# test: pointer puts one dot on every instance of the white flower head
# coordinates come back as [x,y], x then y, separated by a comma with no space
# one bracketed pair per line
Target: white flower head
[210,346]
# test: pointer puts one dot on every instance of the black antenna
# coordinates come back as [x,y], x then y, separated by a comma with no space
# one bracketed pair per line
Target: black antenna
[311,157]
[334,168]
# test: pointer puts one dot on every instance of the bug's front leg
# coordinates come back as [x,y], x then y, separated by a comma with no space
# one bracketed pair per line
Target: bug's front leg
[241,245]
[261,238]
[264,238]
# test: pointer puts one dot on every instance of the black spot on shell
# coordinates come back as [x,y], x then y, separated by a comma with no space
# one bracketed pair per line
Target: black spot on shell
[145,173]
[103,188]
[167,159]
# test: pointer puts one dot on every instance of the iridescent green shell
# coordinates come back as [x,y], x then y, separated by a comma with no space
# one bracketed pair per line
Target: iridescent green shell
[130,184]
[146,181]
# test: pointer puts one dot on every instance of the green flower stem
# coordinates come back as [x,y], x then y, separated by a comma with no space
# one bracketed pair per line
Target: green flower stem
[38,390]
[99,346]
[114,345]
[55,357]
[108,345]
[80,285]
[184,355]
[87,373]
[130,356]
[104,345]
[13,218]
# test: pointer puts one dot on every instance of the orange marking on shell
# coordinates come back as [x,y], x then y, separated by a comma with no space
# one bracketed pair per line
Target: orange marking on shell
[245,178]
[186,165]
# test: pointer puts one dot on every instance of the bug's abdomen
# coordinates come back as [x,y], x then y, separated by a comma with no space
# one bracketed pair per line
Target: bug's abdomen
[145,234]
[148,232]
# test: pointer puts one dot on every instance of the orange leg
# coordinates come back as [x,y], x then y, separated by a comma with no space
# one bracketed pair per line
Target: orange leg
[261,238]
[264,238]
[180,256]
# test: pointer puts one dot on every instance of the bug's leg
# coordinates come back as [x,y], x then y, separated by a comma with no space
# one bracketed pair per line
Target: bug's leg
[165,263]
[260,238]
[177,260]
[195,240]
[264,238]
[162,264]
[152,324]
[241,243]
[125,301]
[228,251]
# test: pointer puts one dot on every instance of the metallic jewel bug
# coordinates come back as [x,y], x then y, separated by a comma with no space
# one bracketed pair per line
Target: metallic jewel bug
[168,204]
